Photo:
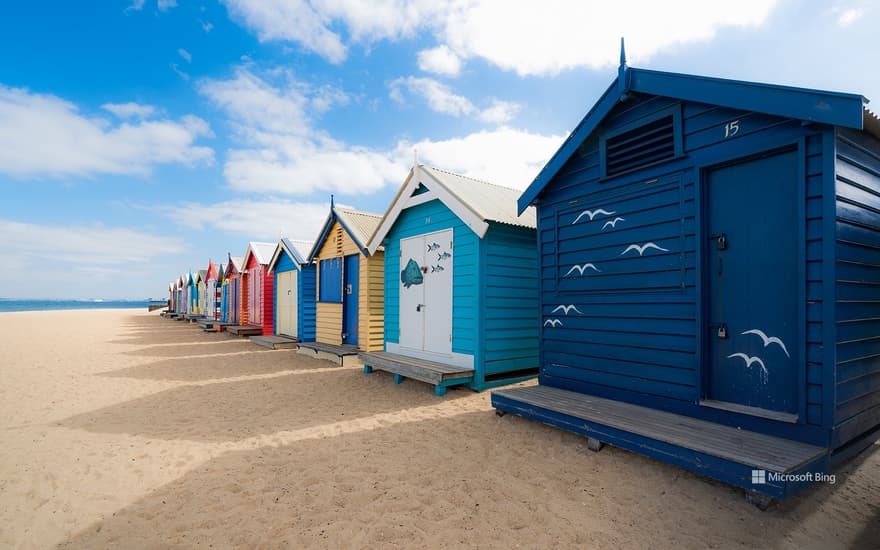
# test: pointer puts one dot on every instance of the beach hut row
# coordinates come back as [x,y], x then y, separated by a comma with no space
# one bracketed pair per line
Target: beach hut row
[695,274]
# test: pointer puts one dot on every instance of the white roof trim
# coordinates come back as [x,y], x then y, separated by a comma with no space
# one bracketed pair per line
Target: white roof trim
[418,175]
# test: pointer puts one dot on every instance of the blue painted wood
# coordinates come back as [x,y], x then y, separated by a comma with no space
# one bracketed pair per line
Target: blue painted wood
[350,276]
[399,378]
[368,369]
[857,267]
[307,299]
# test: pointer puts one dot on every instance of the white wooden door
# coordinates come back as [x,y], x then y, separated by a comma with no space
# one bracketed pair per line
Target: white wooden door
[286,303]
[412,294]
[438,293]
[426,304]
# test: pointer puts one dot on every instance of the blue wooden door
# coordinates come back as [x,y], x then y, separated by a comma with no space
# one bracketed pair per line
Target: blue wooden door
[350,300]
[752,273]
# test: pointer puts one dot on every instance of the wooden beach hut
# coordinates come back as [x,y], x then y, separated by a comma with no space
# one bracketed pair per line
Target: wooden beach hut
[461,283]
[231,287]
[349,308]
[257,294]
[295,290]
[191,295]
[211,309]
[709,290]
[202,286]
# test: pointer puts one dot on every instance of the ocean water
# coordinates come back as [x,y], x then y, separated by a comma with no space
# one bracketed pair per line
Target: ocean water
[48,305]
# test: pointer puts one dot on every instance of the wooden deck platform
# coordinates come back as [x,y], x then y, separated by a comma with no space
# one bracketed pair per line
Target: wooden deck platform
[722,452]
[244,330]
[440,375]
[344,355]
[275,342]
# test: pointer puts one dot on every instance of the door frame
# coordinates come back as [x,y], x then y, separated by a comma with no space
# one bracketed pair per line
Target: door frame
[701,178]
[346,301]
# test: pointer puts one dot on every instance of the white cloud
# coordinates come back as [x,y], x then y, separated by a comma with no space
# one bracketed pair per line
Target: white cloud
[439,96]
[281,150]
[289,20]
[255,220]
[136,5]
[530,38]
[440,60]
[179,71]
[206,25]
[185,55]
[165,5]
[500,111]
[129,110]
[442,99]
[84,245]
[505,156]
[850,16]
[44,135]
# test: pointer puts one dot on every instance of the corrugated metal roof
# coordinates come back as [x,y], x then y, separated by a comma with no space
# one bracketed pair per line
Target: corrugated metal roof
[489,201]
[236,262]
[302,248]
[360,225]
[871,123]
[261,251]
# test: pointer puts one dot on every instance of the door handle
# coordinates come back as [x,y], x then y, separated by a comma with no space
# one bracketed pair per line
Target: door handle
[419,307]
[348,289]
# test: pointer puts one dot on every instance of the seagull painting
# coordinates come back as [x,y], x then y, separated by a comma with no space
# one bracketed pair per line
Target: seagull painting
[613,223]
[592,214]
[567,309]
[751,361]
[553,323]
[581,268]
[642,248]
[768,339]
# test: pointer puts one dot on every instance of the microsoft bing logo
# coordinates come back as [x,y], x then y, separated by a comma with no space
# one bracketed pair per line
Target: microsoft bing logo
[759,477]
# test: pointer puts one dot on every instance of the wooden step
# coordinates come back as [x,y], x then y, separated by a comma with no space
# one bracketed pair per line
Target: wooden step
[275,342]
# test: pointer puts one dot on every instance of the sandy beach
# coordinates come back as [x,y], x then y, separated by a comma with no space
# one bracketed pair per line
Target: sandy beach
[124,429]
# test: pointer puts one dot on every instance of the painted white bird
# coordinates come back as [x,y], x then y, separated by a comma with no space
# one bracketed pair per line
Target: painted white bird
[751,361]
[581,268]
[613,223]
[592,214]
[553,323]
[642,248]
[567,309]
[768,339]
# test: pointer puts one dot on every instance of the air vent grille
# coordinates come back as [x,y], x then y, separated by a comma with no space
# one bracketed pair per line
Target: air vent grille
[640,146]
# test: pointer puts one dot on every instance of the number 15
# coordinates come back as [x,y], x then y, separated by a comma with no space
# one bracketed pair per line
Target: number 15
[731,129]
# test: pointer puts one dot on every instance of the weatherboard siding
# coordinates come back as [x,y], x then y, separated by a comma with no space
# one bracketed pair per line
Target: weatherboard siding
[858,285]
[509,293]
[307,293]
[328,324]
[638,335]
[425,218]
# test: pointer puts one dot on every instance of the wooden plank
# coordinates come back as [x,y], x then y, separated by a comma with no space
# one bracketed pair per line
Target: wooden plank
[341,350]
[750,448]
[417,369]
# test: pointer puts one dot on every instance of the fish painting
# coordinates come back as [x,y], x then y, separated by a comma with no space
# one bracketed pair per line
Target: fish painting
[433,246]
[436,268]
[411,274]
[444,256]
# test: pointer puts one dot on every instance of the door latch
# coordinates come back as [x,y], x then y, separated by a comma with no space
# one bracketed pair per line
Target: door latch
[419,307]
[348,289]
[721,242]
[722,331]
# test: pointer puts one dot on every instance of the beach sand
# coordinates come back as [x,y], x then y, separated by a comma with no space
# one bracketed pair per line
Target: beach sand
[124,429]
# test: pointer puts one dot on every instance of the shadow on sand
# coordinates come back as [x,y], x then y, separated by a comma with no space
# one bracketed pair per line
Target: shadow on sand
[471,480]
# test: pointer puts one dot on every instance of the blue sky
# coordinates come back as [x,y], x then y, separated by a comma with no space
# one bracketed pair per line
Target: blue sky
[139,139]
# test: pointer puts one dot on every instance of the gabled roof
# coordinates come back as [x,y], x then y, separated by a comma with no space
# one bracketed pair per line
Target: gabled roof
[359,226]
[834,108]
[261,251]
[297,251]
[475,202]
[202,275]
[235,262]
[211,272]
